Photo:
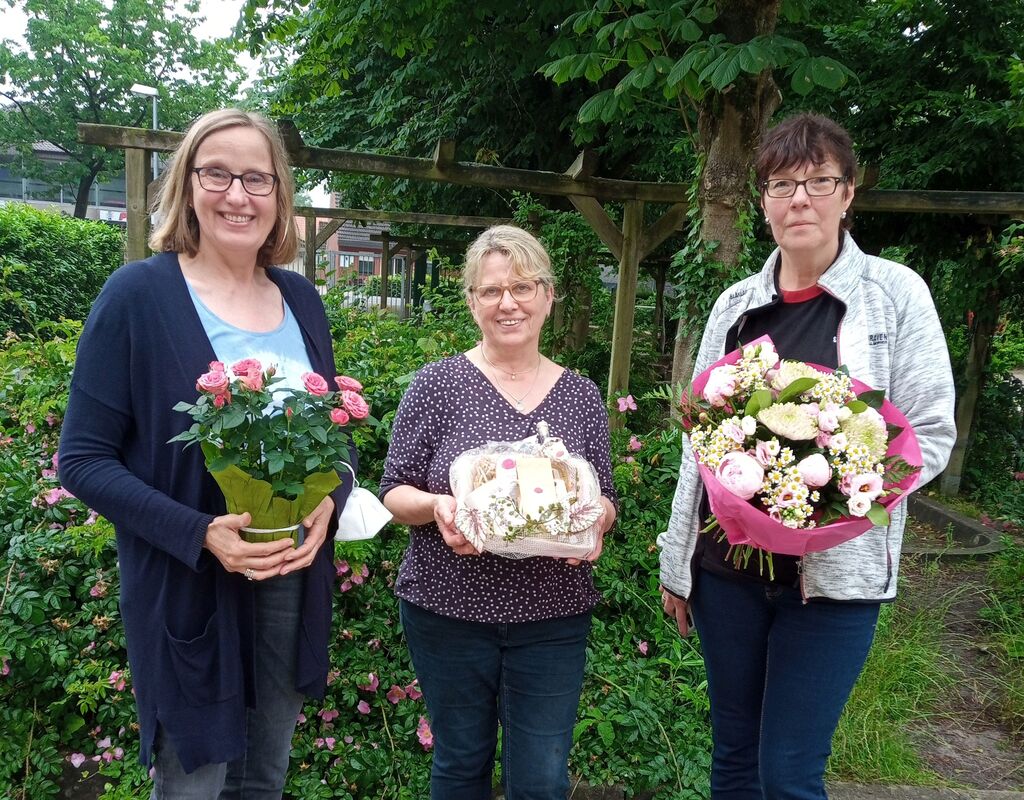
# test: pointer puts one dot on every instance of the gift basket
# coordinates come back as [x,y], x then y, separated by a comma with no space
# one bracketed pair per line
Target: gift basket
[527,498]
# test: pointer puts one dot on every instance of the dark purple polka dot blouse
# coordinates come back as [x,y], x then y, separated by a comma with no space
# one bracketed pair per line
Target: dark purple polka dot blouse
[451,407]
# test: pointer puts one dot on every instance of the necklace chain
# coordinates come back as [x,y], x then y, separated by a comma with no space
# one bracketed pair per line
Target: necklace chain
[517,400]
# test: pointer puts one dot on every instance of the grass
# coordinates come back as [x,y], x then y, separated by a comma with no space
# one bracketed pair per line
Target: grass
[907,674]
[1005,614]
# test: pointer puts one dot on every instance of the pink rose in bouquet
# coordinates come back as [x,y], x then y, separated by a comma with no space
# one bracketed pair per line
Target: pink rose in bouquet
[821,459]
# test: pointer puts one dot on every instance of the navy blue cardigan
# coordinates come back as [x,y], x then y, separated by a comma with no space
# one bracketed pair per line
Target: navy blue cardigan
[188,622]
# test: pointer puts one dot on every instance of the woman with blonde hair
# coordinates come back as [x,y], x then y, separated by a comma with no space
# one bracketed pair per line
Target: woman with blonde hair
[494,640]
[225,637]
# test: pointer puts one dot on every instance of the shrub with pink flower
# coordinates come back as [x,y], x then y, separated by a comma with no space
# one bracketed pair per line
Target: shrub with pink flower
[275,452]
[424,734]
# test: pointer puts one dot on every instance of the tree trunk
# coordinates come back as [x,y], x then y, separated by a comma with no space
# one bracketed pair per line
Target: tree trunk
[85,187]
[985,321]
[581,322]
[730,125]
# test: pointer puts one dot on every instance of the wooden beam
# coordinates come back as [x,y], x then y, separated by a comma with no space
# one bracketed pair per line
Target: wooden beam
[458,172]
[290,135]
[385,267]
[423,243]
[309,262]
[136,179]
[930,202]
[625,301]
[329,230]
[667,224]
[404,217]
[584,166]
[444,153]
[603,225]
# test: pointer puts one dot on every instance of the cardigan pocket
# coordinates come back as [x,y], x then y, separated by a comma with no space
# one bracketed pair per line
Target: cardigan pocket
[199,665]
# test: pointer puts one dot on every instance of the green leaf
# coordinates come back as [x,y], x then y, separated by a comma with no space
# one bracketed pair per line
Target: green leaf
[636,55]
[796,388]
[599,106]
[758,401]
[705,14]
[857,406]
[828,72]
[878,515]
[874,398]
[318,433]
[607,732]
[802,81]
[183,406]
[689,31]
[275,462]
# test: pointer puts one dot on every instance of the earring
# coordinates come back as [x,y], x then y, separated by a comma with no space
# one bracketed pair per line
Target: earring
[843,215]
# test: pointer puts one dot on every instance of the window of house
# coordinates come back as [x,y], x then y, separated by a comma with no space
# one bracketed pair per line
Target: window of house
[397,265]
[366,265]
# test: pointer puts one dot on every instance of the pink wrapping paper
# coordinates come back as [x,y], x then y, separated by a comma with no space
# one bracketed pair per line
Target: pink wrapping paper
[747,524]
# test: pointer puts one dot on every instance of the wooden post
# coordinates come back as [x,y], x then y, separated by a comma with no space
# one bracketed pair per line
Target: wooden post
[309,264]
[659,305]
[136,174]
[385,268]
[625,299]
[407,271]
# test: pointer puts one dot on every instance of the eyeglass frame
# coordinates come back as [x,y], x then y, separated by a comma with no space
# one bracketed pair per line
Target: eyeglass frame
[274,180]
[797,184]
[506,287]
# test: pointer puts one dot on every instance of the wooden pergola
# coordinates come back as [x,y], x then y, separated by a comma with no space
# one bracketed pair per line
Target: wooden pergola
[629,243]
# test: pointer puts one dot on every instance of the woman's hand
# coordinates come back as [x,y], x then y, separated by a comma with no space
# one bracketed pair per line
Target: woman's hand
[256,560]
[444,516]
[676,608]
[316,532]
[606,521]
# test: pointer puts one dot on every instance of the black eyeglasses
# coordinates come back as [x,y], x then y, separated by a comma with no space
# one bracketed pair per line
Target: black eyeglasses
[815,187]
[215,179]
[490,294]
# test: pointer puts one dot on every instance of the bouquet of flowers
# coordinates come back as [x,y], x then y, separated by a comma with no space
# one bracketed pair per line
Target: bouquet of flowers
[274,453]
[795,457]
[527,498]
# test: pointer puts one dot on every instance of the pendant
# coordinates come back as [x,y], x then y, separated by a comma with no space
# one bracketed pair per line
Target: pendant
[519,406]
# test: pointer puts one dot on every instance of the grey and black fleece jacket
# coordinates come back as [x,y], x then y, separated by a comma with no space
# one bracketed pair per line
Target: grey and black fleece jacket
[890,339]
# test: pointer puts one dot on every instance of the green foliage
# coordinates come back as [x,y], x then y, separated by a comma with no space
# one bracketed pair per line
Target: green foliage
[1004,612]
[996,454]
[80,59]
[52,266]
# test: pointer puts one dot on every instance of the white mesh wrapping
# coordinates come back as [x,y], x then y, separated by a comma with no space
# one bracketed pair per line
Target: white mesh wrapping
[489,512]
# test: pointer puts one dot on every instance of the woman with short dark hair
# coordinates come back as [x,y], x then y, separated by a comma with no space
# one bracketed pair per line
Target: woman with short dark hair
[783,651]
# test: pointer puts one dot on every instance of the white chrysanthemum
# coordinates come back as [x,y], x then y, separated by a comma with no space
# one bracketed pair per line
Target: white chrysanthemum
[789,371]
[867,435]
[789,421]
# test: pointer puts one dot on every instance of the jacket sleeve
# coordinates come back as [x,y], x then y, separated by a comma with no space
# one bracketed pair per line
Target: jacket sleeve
[678,541]
[98,421]
[922,380]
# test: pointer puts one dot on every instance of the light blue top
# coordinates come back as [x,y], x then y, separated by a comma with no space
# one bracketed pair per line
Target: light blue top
[282,346]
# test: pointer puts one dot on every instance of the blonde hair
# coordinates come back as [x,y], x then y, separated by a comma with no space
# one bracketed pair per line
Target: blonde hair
[178,229]
[526,255]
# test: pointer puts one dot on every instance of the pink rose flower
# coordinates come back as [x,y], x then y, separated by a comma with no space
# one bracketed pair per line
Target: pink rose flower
[216,366]
[221,400]
[54,496]
[339,416]
[341,567]
[246,366]
[868,483]
[371,685]
[412,691]
[642,647]
[814,470]
[252,381]
[315,384]
[347,384]
[626,403]
[722,383]
[828,420]
[77,759]
[740,474]
[733,431]
[395,694]
[30,428]
[345,586]
[354,404]
[634,443]
[764,452]
[215,383]
[328,714]
[424,734]
[858,504]
[823,439]
[363,707]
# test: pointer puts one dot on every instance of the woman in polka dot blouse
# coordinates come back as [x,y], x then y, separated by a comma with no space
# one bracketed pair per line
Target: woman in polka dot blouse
[494,639]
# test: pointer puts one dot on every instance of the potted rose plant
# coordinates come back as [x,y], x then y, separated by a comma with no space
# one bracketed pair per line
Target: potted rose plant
[274,452]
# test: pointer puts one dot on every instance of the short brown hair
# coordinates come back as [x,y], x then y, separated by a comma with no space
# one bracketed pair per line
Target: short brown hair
[527,255]
[177,229]
[804,139]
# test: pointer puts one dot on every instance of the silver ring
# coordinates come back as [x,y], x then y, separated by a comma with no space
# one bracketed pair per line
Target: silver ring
[249,574]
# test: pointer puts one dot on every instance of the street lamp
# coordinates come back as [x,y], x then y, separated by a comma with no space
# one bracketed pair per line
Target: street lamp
[149,91]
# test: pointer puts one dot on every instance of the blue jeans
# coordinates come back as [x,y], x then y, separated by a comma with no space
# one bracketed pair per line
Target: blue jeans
[779,673]
[260,773]
[525,675]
